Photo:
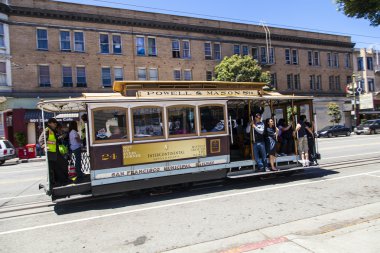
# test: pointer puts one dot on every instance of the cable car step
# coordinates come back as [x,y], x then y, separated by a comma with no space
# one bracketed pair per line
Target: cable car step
[252,173]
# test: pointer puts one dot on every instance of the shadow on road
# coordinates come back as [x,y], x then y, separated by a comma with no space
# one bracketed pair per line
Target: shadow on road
[157,195]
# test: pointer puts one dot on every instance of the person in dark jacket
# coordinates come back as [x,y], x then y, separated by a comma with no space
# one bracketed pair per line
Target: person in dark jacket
[271,140]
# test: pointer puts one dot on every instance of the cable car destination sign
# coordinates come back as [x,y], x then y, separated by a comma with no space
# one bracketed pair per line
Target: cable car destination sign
[196,93]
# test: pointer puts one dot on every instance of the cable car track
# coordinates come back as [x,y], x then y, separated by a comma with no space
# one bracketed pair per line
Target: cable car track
[39,207]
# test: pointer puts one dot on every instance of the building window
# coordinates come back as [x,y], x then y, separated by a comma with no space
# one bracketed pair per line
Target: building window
[319,82]
[153,74]
[271,55]
[67,77]
[78,42]
[237,49]
[331,83]
[294,56]
[186,49]
[287,56]
[371,84]
[312,82]
[2,40]
[347,60]
[217,51]
[175,49]
[64,37]
[273,80]
[141,74]
[42,39]
[360,64]
[310,58]
[263,55]
[208,52]
[152,48]
[140,46]
[104,44]
[289,81]
[336,60]
[297,82]
[245,49]
[118,74]
[369,63]
[44,76]
[337,83]
[349,79]
[187,75]
[106,77]
[81,77]
[316,59]
[255,53]
[329,60]
[3,74]
[116,44]
[177,74]
[208,75]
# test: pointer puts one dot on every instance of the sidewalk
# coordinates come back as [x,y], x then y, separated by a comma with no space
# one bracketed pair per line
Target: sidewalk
[351,230]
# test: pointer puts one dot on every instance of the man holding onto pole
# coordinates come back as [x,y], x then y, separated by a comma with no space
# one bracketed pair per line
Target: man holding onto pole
[259,143]
[303,147]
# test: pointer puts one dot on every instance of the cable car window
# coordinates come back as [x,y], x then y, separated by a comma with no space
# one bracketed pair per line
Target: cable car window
[110,124]
[212,119]
[181,120]
[147,122]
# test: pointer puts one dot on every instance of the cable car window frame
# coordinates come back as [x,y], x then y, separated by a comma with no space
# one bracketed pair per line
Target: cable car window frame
[195,111]
[161,137]
[118,140]
[224,117]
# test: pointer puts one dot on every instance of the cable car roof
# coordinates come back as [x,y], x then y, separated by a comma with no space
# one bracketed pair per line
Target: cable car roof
[79,104]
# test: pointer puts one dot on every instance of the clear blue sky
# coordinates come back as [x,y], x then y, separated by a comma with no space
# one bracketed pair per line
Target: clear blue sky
[310,15]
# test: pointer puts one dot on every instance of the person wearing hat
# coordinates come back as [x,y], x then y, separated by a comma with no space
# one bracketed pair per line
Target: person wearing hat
[259,143]
[58,174]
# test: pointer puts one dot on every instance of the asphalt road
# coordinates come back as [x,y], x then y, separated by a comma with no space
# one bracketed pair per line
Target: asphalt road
[289,214]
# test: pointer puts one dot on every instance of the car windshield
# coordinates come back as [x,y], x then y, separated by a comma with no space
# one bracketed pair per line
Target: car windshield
[368,123]
[327,128]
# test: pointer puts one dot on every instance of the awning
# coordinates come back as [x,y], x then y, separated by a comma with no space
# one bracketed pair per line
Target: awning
[67,117]
[35,116]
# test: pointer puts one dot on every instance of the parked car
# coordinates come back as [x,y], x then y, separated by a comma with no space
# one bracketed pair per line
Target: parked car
[368,127]
[335,131]
[7,151]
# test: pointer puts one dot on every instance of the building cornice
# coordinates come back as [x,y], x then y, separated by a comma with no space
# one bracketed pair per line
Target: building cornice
[154,24]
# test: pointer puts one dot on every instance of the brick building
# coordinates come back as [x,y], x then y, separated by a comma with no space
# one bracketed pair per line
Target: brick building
[55,49]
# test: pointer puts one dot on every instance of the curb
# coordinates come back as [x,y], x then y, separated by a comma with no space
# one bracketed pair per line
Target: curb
[40,159]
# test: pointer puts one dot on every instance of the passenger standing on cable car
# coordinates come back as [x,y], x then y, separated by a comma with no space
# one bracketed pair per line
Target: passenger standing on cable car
[76,148]
[271,132]
[259,143]
[303,146]
[58,172]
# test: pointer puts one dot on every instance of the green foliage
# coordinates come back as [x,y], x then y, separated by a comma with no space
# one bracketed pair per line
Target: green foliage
[20,139]
[334,112]
[369,9]
[240,69]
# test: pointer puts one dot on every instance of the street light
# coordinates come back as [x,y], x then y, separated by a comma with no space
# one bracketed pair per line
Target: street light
[356,89]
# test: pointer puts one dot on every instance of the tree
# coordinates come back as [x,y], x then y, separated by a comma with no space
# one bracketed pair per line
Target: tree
[369,9]
[334,112]
[240,69]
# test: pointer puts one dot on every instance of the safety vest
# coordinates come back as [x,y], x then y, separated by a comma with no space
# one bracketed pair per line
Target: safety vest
[51,141]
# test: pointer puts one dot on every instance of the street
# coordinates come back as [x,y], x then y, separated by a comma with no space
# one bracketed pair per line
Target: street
[332,209]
